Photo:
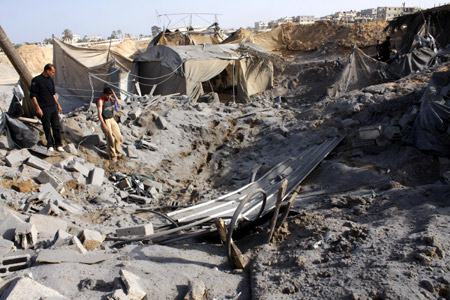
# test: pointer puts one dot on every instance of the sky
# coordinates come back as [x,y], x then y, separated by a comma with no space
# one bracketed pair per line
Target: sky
[34,21]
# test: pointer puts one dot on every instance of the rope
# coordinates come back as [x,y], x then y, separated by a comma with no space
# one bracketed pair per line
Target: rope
[170,74]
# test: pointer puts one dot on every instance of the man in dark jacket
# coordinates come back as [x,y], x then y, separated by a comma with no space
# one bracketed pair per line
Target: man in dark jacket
[47,106]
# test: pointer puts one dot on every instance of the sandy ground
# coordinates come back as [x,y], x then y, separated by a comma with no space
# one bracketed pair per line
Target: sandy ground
[371,222]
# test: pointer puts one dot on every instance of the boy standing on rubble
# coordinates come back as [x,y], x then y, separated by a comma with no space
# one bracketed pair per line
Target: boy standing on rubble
[43,94]
[106,105]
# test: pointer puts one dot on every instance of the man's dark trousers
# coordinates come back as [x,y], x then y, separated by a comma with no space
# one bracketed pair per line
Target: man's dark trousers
[50,122]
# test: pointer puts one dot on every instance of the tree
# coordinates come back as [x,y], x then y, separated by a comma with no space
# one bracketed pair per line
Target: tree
[67,35]
[48,41]
[113,35]
[155,30]
[119,33]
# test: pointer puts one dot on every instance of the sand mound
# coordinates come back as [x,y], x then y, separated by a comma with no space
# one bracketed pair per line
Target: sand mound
[311,37]
[241,35]
[35,58]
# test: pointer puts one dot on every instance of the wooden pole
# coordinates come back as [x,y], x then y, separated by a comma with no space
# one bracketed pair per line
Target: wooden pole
[21,69]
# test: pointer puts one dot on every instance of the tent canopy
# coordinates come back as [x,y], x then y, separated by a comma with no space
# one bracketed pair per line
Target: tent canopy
[81,69]
[182,69]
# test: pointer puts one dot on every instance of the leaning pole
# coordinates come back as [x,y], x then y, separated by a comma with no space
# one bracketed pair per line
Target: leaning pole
[21,69]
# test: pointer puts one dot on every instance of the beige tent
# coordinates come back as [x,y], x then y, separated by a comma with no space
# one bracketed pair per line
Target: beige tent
[184,69]
[84,71]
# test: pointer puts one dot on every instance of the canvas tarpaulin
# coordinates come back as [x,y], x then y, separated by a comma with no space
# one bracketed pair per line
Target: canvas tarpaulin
[74,65]
[362,70]
[430,131]
[191,65]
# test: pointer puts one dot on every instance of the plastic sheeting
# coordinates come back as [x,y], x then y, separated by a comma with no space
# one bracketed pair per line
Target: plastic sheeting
[430,131]
[18,132]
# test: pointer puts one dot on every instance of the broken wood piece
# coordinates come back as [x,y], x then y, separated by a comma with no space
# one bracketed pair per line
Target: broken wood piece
[281,193]
[237,260]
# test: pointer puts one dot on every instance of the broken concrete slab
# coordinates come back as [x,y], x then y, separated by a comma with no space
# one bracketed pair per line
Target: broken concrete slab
[148,183]
[24,288]
[5,246]
[70,148]
[47,177]
[26,235]
[91,239]
[392,133]
[71,256]
[63,163]
[134,290]
[47,224]
[77,243]
[8,226]
[16,157]
[137,230]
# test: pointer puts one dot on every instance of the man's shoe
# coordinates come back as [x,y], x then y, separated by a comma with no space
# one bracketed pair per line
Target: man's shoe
[60,149]
[50,149]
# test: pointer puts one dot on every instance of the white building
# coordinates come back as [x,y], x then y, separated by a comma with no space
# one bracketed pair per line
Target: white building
[305,19]
[261,25]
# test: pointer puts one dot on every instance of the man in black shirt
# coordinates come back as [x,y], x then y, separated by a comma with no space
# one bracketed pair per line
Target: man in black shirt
[43,95]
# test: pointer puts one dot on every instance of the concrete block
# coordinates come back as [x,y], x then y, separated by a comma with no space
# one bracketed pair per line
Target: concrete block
[70,148]
[9,264]
[91,239]
[26,235]
[96,176]
[148,183]
[63,163]
[17,157]
[48,177]
[369,132]
[47,224]
[24,288]
[38,163]
[50,210]
[28,172]
[160,121]
[8,226]
[133,288]
[132,152]
[196,290]
[137,230]
[61,238]
[79,178]
[125,184]
[76,166]
[147,145]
